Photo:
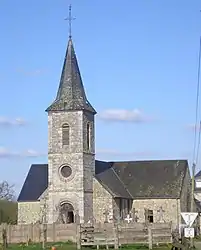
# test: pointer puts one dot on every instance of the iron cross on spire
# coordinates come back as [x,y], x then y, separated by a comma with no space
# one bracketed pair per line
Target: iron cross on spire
[70,19]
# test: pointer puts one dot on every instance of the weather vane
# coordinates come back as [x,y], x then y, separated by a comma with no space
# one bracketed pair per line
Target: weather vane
[70,19]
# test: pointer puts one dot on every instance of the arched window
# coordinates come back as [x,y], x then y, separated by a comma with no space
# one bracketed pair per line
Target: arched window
[88,136]
[65,134]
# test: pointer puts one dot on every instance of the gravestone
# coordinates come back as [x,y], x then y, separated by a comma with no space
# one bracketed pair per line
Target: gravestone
[146,215]
[116,219]
[160,212]
[128,219]
[110,216]
[134,215]
[106,214]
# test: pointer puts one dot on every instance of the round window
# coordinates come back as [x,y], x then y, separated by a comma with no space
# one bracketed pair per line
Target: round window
[66,171]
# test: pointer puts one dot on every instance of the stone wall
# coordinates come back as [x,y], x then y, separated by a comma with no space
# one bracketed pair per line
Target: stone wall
[170,207]
[28,212]
[102,201]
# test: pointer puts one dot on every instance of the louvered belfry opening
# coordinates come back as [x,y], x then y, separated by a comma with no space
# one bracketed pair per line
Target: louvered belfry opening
[65,134]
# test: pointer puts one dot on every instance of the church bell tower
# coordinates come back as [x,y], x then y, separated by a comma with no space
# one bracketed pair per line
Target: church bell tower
[71,149]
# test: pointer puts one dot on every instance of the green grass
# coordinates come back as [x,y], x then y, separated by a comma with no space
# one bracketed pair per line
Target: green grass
[70,246]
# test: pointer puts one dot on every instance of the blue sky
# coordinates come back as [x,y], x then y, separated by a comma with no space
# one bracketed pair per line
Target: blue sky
[138,61]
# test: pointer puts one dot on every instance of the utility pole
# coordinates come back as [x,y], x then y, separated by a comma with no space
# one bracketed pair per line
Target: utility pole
[192,198]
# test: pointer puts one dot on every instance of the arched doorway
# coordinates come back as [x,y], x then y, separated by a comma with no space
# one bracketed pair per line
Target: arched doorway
[66,213]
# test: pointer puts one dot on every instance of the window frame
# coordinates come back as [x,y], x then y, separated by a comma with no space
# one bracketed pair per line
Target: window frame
[150,215]
[65,134]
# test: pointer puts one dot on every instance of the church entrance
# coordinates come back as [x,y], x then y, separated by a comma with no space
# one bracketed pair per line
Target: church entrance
[70,217]
[67,213]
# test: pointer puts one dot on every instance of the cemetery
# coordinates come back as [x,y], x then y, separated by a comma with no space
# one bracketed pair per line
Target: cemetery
[119,234]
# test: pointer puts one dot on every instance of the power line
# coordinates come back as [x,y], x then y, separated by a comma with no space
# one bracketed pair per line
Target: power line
[198,146]
[195,138]
[197,104]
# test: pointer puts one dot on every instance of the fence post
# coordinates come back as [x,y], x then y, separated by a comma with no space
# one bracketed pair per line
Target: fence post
[116,236]
[30,237]
[171,231]
[150,237]
[53,232]
[78,235]
[9,228]
[4,236]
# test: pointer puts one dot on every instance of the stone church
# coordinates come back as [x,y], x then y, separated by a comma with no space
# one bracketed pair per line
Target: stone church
[75,185]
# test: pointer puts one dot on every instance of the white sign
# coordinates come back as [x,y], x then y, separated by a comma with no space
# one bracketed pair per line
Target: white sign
[189,232]
[128,218]
[189,218]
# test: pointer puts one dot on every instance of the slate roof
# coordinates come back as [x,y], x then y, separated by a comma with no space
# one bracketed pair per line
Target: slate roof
[71,94]
[156,179]
[35,184]
[131,179]
[106,175]
[198,175]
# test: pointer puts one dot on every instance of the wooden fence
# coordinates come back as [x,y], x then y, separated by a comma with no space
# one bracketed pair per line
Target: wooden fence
[86,234]
[123,234]
[35,233]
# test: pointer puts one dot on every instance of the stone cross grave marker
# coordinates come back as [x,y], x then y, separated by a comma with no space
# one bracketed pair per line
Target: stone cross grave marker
[106,213]
[116,219]
[146,215]
[128,218]
[110,216]
[135,217]
[160,212]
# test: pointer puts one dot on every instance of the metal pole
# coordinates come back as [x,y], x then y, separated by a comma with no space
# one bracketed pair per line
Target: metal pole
[192,198]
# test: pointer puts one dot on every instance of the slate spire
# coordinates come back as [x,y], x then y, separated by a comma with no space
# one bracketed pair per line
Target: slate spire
[71,94]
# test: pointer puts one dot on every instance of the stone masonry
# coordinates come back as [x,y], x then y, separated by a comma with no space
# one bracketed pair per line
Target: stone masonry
[102,202]
[28,212]
[78,188]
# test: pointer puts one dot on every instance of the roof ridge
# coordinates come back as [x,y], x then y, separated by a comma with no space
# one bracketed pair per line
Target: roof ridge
[121,182]
[148,161]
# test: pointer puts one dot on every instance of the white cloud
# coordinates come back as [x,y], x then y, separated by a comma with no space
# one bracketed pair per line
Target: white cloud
[123,115]
[114,152]
[7,153]
[32,153]
[35,72]
[4,121]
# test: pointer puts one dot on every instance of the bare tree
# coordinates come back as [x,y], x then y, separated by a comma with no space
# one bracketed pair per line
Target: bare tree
[43,220]
[7,191]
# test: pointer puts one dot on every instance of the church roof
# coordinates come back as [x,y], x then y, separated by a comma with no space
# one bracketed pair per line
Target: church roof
[130,179]
[152,179]
[198,175]
[35,184]
[71,94]
[106,175]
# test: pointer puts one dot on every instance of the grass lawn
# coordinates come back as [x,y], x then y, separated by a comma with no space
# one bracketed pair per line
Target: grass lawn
[70,246]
